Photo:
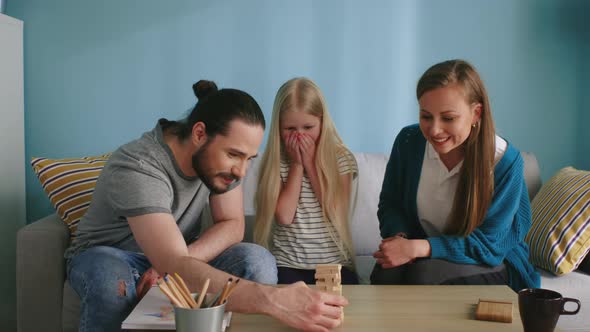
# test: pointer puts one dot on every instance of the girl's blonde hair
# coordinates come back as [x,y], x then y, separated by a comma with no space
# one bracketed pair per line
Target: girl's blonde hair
[303,95]
[475,189]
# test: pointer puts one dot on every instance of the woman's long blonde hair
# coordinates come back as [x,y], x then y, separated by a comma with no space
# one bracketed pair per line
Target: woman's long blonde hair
[303,95]
[475,188]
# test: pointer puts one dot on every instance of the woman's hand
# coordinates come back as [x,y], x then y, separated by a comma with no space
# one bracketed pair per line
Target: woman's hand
[397,250]
[292,146]
[307,148]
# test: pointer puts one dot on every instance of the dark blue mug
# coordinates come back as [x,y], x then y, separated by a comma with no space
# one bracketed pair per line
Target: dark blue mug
[540,309]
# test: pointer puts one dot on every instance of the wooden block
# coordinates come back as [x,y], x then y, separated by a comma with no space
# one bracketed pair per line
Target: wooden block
[327,276]
[328,266]
[321,284]
[328,279]
[328,282]
[328,271]
[335,290]
[332,289]
[492,310]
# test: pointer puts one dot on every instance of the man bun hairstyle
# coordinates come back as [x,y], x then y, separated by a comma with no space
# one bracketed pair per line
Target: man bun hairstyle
[204,88]
[217,108]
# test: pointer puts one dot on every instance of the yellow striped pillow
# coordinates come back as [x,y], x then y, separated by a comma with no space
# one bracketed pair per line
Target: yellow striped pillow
[69,183]
[560,235]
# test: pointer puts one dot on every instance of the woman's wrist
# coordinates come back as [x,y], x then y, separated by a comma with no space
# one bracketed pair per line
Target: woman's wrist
[421,248]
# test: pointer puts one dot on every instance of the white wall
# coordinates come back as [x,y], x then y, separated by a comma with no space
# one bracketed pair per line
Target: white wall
[12,157]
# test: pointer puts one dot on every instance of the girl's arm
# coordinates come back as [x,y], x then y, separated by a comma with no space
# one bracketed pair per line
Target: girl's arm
[346,179]
[290,191]
[314,180]
[348,168]
[289,195]
[307,149]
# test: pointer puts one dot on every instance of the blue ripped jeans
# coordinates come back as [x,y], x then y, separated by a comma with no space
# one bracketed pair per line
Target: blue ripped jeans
[105,279]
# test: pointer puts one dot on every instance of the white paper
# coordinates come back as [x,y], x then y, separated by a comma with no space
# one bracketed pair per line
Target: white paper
[154,312]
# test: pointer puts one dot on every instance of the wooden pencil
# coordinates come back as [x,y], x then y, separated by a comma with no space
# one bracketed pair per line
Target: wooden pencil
[167,292]
[184,288]
[203,293]
[186,296]
[175,291]
[212,301]
[230,290]
[224,292]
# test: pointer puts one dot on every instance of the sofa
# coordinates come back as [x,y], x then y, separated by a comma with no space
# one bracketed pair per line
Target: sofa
[42,288]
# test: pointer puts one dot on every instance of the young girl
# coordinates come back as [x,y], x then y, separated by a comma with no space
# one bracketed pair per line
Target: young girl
[454,200]
[304,187]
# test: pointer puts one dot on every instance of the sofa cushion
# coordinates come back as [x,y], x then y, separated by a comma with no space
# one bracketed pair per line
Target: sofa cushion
[585,265]
[560,235]
[69,183]
[364,225]
[573,285]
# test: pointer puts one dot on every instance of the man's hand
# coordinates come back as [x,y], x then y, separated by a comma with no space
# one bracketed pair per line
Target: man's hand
[147,280]
[307,309]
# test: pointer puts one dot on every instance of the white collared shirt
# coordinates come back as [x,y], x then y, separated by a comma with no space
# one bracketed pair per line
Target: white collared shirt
[437,187]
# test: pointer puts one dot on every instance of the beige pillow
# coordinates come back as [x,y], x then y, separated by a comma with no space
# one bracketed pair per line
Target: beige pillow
[69,183]
[560,235]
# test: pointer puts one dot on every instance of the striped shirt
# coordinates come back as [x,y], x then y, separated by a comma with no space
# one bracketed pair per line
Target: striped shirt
[307,242]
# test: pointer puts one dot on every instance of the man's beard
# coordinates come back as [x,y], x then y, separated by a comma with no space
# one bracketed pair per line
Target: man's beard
[199,163]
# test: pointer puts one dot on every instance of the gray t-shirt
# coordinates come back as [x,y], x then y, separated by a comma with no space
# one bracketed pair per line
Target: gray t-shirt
[141,177]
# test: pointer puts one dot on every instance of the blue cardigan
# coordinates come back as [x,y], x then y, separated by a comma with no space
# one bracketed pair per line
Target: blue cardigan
[500,238]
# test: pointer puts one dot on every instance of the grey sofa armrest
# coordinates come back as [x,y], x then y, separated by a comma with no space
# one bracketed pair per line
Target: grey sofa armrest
[40,274]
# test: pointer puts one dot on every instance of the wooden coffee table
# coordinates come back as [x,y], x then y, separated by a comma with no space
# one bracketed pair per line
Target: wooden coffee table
[405,308]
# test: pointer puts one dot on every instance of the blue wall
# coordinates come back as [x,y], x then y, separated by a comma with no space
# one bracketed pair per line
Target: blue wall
[99,73]
[583,26]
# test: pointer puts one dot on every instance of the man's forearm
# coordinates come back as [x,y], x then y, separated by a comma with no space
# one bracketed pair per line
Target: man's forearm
[295,305]
[220,236]
[248,297]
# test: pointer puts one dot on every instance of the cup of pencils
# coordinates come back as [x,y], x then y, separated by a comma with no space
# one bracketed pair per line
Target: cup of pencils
[203,312]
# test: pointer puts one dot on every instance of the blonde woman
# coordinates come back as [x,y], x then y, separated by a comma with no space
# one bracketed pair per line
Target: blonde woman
[453,199]
[304,187]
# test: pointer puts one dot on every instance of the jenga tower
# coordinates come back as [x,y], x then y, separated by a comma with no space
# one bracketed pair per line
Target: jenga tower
[328,279]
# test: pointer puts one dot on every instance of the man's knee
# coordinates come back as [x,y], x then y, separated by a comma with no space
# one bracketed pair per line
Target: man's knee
[260,264]
[102,272]
[252,262]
